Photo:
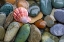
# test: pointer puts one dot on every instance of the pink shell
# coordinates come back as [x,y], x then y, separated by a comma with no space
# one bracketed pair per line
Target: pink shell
[21,15]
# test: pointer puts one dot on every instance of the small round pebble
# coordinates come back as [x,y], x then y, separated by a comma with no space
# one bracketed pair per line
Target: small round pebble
[6,8]
[59,15]
[57,30]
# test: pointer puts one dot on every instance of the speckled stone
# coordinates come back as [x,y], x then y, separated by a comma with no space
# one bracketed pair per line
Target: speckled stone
[8,20]
[46,6]
[2,33]
[11,31]
[2,18]
[34,10]
[59,15]
[57,30]
[61,39]
[35,34]
[6,8]
[49,20]
[47,37]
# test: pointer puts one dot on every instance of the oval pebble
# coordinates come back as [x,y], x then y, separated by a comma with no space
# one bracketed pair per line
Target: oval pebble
[6,8]
[33,10]
[2,18]
[2,33]
[8,20]
[59,15]
[49,20]
[11,31]
[57,30]
[35,34]
[61,39]
[47,37]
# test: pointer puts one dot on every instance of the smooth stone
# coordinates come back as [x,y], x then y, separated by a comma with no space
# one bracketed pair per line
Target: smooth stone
[11,31]
[2,33]
[40,24]
[2,18]
[34,19]
[8,20]
[31,2]
[61,39]
[57,30]
[2,2]
[49,20]
[46,7]
[59,15]
[6,8]
[35,34]
[11,1]
[58,3]
[23,3]
[47,37]
[33,10]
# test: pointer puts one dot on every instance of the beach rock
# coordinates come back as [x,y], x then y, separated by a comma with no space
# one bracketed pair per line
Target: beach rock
[11,31]
[2,33]
[47,37]
[35,34]
[2,18]
[61,39]
[6,8]
[57,30]
[46,6]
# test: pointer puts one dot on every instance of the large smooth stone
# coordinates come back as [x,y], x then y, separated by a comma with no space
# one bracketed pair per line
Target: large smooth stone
[59,15]
[61,39]
[46,6]
[8,20]
[47,37]
[2,33]
[6,8]
[34,10]
[34,19]
[58,3]
[49,20]
[2,18]
[35,34]
[57,30]
[11,31]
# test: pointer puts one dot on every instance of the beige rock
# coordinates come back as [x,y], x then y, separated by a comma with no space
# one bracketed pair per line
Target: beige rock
[2,33]
[39,16]
[8,20]
[35,34]
[11,31]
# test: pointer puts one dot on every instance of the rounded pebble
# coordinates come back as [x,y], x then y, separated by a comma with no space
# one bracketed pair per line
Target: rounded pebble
[61,39]
[57,30]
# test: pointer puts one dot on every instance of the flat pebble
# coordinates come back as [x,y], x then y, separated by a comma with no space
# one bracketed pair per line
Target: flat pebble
[35,34]
[2,33]
[57,30]
[2,18]
[11,31]
[59,15]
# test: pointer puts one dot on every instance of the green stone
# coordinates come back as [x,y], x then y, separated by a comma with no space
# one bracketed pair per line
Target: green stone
[2,33]
[47,37]
[58,3]
[46,6]
[61,39]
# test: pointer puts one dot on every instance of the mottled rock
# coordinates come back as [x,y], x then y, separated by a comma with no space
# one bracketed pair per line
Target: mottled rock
[46,6]
[35,34]
[2,18]
[11,31]
[2,33]
[61,39]
[49,20]
[8,20]
[57,30]
[47,37]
